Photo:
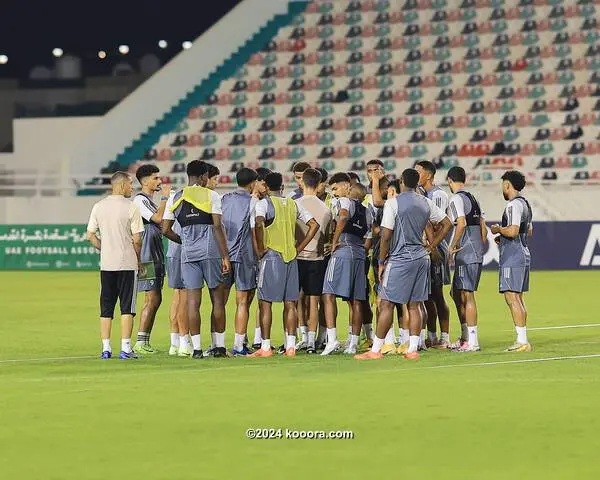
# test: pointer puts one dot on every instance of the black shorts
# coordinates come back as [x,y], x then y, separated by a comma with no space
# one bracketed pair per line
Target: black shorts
[312,274]
[122,285]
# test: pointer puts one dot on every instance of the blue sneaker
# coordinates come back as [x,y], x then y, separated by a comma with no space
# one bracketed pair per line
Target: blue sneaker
[127,356]
[106,355]
[241,353]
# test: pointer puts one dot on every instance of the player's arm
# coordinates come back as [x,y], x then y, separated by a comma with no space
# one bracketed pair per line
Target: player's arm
[92,228]
[378,200]
[442,225]
[137,246]
[340,224]
[260,236]
[313,228]
[158,215]
[484,229]
[93,239]
[530,231]
[368,244]
[384,250]
[459,231]
[167,230]
[219,232]
[168,220]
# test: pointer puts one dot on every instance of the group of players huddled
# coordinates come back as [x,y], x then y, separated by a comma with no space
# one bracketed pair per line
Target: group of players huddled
[384,248]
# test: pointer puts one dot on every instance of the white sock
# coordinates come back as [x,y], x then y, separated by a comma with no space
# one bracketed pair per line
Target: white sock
[265,344]
[413,343]
[522,335]
[422,337]
[445,337]
[368,330]
[404,334]
[389,337]
[432,336]
[331,335]
[219,340]
[257,336]
[354,340]
[473,340]
[175,339]
[304,333]
[238,342]
[184,344]
[377,344]
[126,345]
[464,331]
[196,342]
[213,339]
[290,341]
[311,339]
[106,345]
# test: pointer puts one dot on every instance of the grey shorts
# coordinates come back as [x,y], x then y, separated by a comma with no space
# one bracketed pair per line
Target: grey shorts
[243,276]
[440,273]
[466,277]
[405,282]
[277,280]
[514,279]
[154,284]
[346,278]
[174,276]
[209,271]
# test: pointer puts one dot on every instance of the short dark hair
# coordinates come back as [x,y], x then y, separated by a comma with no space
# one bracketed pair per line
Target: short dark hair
[516,179]
[274,181]
[354,176]
[396,184]
[146,171]
[410,178]
[384,182]
[375,161]
[427,166]
[300,167]
[212,170]
[196,168]
[311,178]
[245,176]
[359,189]
[457,174]
[339,177]
[261,173]
[324,174]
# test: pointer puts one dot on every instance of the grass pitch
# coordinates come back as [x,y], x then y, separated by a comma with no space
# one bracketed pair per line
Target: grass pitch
[65,414]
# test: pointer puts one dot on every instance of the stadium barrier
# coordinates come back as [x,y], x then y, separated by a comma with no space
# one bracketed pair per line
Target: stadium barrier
[554,246]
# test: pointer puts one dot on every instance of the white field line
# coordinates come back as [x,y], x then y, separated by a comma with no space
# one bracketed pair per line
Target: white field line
[527,360]
[587,325]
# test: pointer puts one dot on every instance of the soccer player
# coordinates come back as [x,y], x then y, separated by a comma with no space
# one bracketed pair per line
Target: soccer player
[238,220]
[345,276]
[152,251]
[204,254]
[213,173]
[440,269]
[119,223]
[278,276]
[260,192]
[466,247]
[515,259]
[311,260]
[178,316]
[298,169]
[354,178]
[404,265]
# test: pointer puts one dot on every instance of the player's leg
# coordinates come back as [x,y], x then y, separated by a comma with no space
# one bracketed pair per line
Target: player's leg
[513,282]
[338,282]
[443,315]
[403,324]
[313,322]
[415,324]
[265,312]
[217,298]
[243,300]
[183,325]
[358,308]
[127,288]
[290,318]
[152,301]
[109,293]
[302,312]
[384,322]
[194,300]
[174,323]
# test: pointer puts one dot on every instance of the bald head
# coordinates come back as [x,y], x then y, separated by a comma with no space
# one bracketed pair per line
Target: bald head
[122,184]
